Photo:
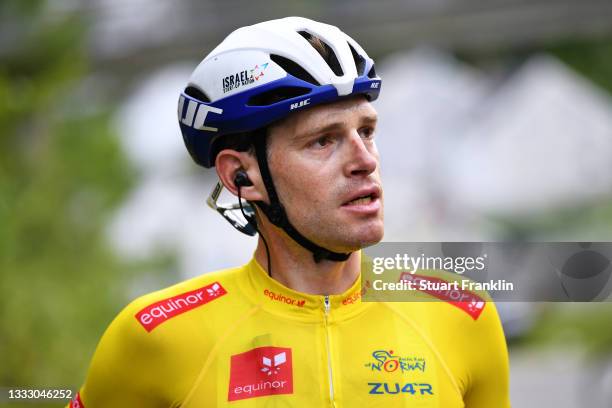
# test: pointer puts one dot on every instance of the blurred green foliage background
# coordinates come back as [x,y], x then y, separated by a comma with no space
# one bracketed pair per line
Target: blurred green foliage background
[62,172]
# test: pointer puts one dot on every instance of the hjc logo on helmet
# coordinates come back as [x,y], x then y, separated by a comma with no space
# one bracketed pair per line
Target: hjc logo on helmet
[300,104]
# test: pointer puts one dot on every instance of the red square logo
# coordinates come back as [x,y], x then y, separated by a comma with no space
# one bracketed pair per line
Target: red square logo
[260,372]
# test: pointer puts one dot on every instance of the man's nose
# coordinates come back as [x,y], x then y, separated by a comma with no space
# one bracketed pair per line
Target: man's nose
[362,157]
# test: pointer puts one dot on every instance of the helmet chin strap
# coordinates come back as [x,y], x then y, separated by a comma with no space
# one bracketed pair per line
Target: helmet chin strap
[276,212]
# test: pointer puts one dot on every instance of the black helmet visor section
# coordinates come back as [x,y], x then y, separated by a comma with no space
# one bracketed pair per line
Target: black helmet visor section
[276,212]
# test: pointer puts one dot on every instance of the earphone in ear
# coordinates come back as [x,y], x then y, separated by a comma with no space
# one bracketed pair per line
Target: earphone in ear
[241,179]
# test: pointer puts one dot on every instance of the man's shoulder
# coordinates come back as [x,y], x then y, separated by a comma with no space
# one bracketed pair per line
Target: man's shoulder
[207,283]
[207,291]
[162,332]
[170,310]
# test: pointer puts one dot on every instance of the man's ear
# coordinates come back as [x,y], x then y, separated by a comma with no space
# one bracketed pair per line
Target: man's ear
[229,163]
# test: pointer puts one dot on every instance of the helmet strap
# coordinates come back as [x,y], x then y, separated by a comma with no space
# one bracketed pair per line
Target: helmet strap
[276,212]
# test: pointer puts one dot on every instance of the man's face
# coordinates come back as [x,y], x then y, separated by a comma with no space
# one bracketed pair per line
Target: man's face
[325,167]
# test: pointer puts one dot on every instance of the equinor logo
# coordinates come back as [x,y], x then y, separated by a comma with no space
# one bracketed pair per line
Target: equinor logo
[284,299]
[259,372]
[272,366]
[155,314]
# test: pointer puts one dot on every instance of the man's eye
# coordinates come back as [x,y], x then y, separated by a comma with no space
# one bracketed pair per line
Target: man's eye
[322,141]
[367,132]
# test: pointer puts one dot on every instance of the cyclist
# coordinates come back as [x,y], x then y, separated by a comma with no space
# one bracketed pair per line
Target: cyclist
[282,110]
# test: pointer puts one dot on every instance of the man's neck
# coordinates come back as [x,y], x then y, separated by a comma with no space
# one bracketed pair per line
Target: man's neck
[294,267]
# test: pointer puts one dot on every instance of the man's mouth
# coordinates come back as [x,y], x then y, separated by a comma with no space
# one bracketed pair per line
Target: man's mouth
[363,196]
[361,200]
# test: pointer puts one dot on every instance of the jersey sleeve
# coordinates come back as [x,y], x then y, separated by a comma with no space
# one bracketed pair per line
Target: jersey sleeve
[123,369]
[488,358]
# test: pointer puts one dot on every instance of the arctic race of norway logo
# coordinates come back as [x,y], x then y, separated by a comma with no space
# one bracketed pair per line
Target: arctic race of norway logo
[387,362]
[244,78]
[260,372]
[157,313]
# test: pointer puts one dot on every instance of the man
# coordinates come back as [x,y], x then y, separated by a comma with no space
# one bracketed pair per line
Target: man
[282,110]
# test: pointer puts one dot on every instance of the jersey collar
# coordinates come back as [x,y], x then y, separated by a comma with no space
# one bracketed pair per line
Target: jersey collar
[275,297]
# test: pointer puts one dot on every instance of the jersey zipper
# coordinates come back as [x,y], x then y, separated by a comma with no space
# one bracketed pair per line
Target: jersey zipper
[326,303]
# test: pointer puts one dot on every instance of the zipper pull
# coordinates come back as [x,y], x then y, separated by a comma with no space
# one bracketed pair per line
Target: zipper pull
[326,303]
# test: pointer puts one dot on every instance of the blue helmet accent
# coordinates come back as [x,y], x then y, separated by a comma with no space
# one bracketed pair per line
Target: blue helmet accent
[202,123]
[259,74]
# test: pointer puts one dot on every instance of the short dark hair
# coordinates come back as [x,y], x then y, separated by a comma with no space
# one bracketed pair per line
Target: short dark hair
[240,142]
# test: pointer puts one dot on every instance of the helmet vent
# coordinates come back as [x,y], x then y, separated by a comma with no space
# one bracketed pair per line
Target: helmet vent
[196,93]
[372,72]
[294,69]
[277,95]
[325,51]
[359,60]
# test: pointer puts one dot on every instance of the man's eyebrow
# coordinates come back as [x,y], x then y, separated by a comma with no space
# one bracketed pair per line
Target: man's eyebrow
[370,118]
[320,130]
[366,119]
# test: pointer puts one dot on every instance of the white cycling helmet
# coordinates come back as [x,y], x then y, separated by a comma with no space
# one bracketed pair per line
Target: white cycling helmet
[263,72]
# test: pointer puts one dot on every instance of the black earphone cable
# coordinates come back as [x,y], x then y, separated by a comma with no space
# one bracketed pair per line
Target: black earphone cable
[248,219]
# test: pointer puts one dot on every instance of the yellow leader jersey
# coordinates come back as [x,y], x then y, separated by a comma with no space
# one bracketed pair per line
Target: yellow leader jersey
[238,338]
